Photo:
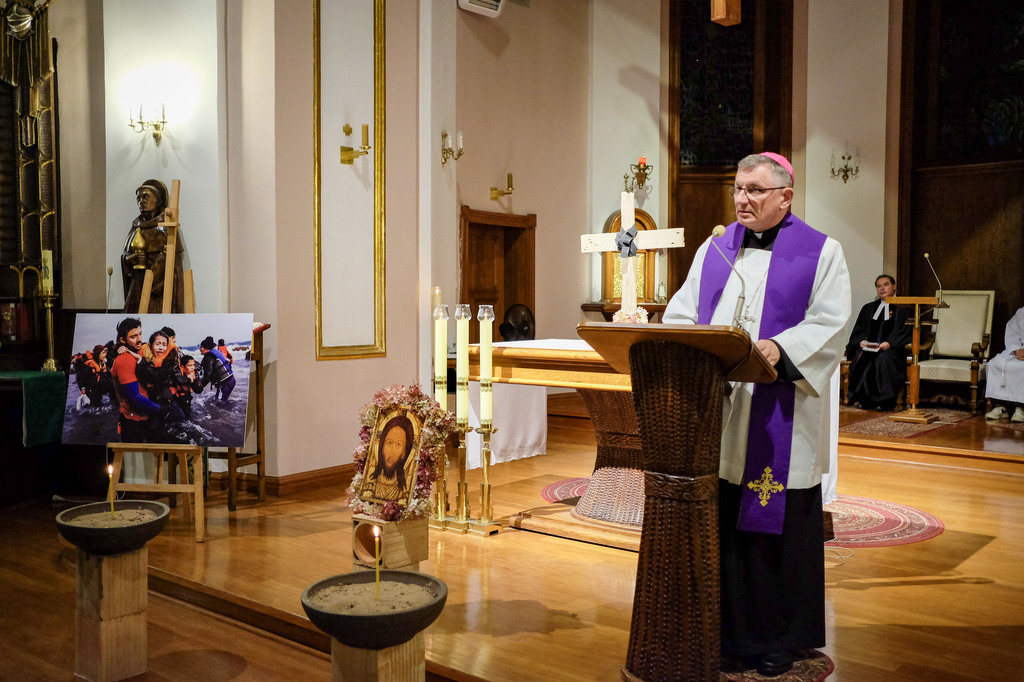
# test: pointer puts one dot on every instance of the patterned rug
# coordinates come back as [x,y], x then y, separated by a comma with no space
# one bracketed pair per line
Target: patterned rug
[873,424]
[810,666]
[863,522]
[856,521]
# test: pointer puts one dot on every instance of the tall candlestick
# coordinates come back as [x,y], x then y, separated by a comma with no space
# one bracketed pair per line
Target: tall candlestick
[110,487]
[462,314]
[441,355]
[486,317]
[376,553]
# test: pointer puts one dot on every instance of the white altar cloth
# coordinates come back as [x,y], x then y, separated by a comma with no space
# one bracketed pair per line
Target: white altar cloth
[520,413]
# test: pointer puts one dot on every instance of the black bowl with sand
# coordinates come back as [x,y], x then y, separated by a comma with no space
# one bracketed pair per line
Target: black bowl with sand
[346,607]
[94,529]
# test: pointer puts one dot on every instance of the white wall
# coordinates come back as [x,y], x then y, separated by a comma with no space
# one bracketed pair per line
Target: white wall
[625,113]
[847,72]
[523,105]
[152,60]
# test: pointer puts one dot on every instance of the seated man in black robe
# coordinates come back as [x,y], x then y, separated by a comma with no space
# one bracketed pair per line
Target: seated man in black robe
[878,350]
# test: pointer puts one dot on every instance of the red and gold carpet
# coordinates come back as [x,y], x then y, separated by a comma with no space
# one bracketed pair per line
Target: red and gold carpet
[856,521]
[864,522]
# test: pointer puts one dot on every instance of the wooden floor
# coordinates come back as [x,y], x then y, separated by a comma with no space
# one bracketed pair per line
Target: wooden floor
[525,606]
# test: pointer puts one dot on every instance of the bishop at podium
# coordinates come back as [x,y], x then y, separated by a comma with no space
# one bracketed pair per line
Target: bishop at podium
[788,286]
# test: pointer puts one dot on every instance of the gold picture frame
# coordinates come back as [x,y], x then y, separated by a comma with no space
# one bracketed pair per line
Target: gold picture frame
[371,333]
[395,443]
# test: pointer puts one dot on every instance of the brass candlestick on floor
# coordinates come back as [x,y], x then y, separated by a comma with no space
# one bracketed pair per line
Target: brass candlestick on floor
[486,524]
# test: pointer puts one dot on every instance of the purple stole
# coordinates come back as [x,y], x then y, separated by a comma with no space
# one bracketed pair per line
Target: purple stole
[790,279]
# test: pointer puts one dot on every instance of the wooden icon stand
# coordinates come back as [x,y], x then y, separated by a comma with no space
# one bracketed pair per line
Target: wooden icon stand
[913,414]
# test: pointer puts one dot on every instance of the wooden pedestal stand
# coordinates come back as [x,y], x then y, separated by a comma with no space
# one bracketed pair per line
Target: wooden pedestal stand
[403,544]
[110,616]
[176,454]
[678,374]
[402,663]
[912,414]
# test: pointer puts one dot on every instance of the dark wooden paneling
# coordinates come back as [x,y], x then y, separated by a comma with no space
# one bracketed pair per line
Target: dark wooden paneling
[700,199]
[970,220]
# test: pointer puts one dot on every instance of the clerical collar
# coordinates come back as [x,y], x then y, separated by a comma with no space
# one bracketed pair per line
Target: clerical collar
[763,240]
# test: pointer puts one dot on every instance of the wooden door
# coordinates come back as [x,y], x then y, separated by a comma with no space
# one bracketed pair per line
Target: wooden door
[496,263]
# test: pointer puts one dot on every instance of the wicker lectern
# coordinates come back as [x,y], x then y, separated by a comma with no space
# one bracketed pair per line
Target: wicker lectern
[678,374]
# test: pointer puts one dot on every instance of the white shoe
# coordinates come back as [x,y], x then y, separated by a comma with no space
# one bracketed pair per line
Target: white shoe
[1018,416]
[998,413]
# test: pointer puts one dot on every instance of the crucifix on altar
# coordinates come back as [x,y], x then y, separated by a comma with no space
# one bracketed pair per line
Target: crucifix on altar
[627,242]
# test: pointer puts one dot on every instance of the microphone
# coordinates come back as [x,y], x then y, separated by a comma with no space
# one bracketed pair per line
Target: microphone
[941,303]
[718,232]
[110,271]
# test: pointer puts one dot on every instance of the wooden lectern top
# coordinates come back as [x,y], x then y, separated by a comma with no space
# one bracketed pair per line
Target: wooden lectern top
[912,300]
[739,358]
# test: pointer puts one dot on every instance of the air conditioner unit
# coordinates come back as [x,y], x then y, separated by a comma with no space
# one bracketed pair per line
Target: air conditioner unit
[490,8]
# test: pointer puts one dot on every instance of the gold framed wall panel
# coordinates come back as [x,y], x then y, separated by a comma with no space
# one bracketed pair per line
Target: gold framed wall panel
[327,234]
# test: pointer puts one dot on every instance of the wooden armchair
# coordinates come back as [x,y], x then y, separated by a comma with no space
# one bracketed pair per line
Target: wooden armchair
[958,348]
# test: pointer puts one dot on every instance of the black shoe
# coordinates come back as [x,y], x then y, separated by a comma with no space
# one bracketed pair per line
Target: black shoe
[774,664]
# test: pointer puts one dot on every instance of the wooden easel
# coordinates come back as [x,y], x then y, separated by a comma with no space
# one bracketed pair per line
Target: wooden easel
[178,452]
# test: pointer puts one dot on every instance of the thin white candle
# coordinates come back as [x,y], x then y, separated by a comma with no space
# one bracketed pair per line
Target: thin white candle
[462,315]
[110,487]
[366,135]
[376,554]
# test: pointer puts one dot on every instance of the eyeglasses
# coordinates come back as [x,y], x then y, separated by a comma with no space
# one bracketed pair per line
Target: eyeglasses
[752,192]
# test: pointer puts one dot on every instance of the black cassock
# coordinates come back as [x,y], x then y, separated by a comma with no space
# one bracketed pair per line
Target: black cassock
[877,377]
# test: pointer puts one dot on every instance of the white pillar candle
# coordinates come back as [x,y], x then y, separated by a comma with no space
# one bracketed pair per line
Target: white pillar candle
[462,315]
[47,263]
[441,355]
[486,317]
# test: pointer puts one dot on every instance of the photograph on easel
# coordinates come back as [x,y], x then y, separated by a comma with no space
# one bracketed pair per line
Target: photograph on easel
[389,474]
[159,379]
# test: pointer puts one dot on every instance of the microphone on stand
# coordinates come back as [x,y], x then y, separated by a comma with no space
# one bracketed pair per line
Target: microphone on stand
[941,304]
[718,232]
[110,271]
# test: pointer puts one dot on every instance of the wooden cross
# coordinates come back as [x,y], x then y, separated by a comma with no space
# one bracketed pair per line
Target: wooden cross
[645,240]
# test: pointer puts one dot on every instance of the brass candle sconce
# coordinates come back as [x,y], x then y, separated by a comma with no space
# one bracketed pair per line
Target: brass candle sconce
[496,193]
[446,149]
[348,154]
[153,125]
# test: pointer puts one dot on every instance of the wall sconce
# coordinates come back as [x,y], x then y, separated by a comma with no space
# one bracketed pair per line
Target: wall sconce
[846,171]
[142,125]
[446,150]
[495,192]
[348,154]
[641,171]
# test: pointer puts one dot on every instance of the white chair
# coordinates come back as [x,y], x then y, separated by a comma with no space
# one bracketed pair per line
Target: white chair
[959,347]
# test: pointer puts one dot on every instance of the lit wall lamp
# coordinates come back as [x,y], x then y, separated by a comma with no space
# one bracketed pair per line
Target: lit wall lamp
[845,171]
[446,150]
[348,154]
[640,171]
[152,125]
[495,192]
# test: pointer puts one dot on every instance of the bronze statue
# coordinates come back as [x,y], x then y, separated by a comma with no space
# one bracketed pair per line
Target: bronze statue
[144,249]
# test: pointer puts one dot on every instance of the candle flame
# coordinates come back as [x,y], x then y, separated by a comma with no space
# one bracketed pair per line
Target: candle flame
[110,470]
[376,531]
